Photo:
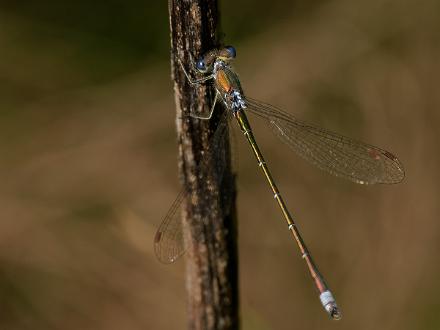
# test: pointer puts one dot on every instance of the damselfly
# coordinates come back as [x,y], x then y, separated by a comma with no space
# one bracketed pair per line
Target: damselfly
[334,153]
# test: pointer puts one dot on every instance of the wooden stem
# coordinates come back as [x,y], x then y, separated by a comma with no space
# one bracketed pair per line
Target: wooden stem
[209,212]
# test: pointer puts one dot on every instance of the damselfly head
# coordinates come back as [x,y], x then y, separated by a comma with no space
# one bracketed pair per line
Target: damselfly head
[206,62]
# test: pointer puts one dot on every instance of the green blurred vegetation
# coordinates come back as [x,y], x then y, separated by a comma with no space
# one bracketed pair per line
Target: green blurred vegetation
[105,39]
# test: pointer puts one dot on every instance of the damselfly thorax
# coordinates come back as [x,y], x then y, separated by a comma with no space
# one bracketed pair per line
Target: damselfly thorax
[228,86]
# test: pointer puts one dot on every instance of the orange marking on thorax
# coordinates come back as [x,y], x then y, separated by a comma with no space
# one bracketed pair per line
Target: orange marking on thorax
[223,81]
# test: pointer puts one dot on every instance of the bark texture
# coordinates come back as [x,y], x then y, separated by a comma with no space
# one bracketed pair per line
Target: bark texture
[209,211]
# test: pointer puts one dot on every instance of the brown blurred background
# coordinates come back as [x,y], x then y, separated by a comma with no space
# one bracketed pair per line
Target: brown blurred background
[88,163]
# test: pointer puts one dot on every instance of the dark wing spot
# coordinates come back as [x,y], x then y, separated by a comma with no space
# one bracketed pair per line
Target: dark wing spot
[390,155]
[373,154]
[157,237]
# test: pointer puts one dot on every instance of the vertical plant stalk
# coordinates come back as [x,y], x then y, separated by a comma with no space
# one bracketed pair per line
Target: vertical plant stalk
[209,211]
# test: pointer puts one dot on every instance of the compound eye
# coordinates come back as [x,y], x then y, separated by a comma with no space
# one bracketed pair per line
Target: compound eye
[231,50]
[201,65]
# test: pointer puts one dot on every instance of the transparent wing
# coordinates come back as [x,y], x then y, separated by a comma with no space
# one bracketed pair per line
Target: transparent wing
[168,241]
[334,153]
[169,244]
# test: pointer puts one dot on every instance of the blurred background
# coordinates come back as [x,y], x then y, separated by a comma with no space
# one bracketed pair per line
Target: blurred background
[88,163]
